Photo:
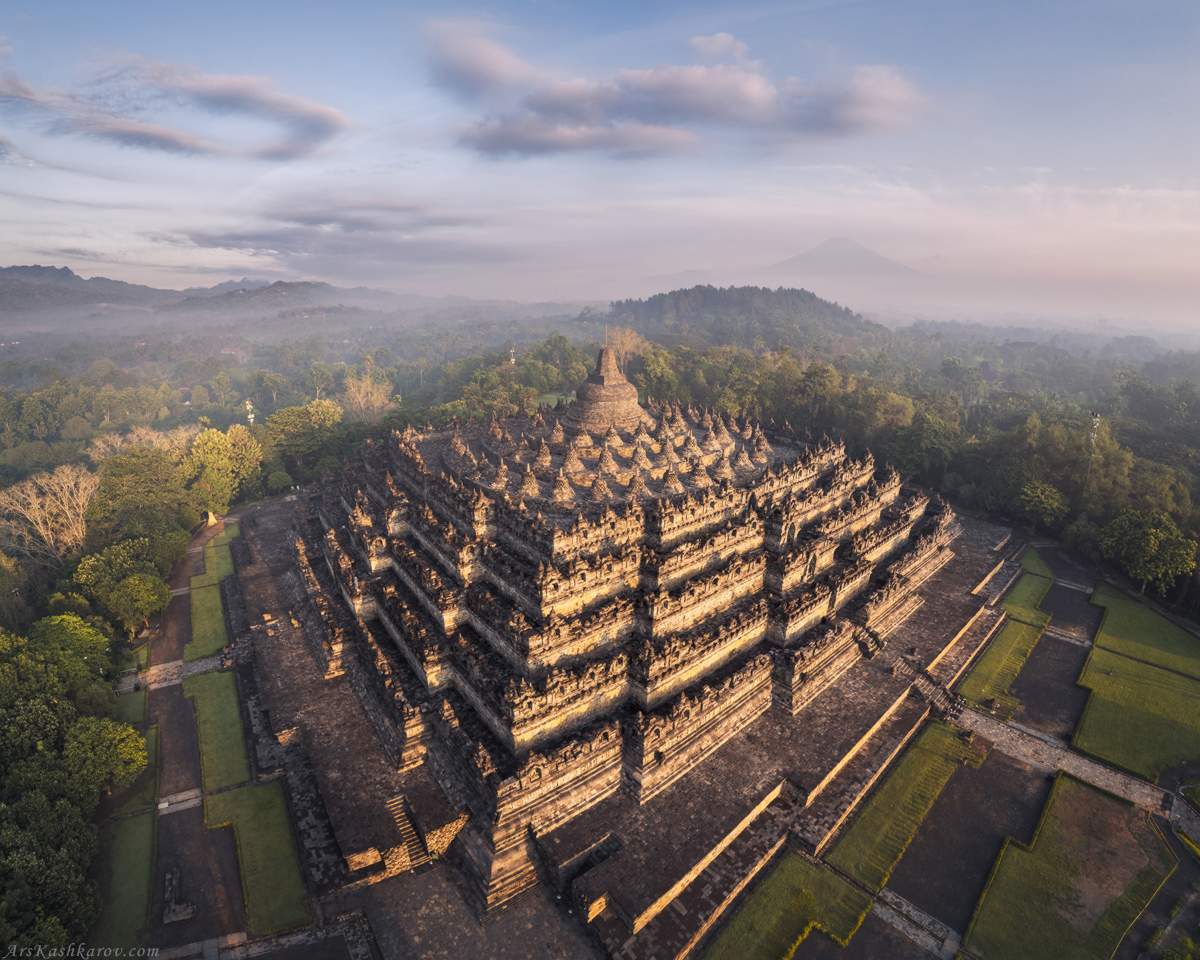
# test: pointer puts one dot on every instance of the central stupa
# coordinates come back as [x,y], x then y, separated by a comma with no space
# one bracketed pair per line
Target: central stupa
[606,399]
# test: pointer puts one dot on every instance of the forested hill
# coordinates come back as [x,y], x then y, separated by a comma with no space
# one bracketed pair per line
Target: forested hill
[746,316]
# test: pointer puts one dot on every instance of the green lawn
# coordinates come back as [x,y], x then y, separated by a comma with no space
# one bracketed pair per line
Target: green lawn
[1023,599]
[271,883]
[1001,662]
[126,877]
[222,747]
[1033,563]
[208,616]
[139,656]
[131,707]
[1095,862]
[208,624]
[796,896]
[144,791]
[1138,631]
[1141,718]
[880,834]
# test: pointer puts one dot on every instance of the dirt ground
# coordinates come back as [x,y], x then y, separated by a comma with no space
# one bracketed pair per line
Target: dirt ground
[332,948]
[208,869]
[944,870]
[875,940]
[179,744]
[1051,701]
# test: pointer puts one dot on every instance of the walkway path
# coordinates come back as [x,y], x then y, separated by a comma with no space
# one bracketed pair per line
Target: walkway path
[1042,750]
[166,674]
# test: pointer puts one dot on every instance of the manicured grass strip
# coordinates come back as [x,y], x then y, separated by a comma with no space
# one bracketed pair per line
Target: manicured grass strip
[145,788]
[874,844]
[795,897]
[1023,599]
[1033,563]
[126,875]
[208,624]
[1140,718]
[222,747]
[1137,631]
[996,670]
[1094,864]
[218,561]
[131,707]
[139,656]
[271,884]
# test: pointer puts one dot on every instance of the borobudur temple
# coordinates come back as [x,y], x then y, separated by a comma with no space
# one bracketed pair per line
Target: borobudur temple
[631,651]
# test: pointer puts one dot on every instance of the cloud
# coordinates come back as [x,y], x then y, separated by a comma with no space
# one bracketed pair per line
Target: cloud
[655,110]
[11,156]
[723,45]
[116,106]
[349,236]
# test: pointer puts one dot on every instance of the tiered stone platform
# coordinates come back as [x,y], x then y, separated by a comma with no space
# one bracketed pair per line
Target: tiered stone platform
[623,649]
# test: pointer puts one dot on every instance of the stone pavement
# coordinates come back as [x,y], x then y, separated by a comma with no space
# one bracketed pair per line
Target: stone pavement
[166,674]
[1042,750]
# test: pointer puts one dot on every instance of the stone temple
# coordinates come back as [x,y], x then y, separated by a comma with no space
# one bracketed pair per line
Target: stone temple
[629,651]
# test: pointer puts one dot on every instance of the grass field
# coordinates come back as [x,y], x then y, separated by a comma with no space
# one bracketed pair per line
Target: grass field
[1033,563]
[795,897]
[208,616]
[208,624]
[131,707]
[1001,662]
[137,657]
[1095,862]
[145,787]
[1023,599]
[126,881]
[222,747]
[1140,718]
[880,834]
[271,884]
[1138,631]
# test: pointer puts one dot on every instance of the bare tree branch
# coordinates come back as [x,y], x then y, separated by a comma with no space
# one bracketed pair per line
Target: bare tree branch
[43,517]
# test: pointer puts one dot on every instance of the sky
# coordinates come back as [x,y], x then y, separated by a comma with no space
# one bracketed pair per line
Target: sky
[1027,155]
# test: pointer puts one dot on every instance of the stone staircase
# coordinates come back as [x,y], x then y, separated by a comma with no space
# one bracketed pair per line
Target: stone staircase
[925,685]
[410,841]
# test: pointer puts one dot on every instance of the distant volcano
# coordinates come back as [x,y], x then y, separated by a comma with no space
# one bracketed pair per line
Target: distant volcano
[841,257]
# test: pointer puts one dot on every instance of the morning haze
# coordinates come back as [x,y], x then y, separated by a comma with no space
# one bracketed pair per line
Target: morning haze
[631,482]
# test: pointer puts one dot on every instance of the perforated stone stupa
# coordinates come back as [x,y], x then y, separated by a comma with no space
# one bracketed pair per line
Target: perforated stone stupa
[613,646]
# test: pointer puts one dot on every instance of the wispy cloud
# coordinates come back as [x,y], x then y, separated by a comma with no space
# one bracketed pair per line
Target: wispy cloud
[656,110]
[118,105]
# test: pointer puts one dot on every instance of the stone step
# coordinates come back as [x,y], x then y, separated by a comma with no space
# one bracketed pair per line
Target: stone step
[417,854]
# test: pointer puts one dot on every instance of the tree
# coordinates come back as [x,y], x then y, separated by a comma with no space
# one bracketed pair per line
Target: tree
[319,377]
[300,431]
[279,481]
[625,344]
[140,490]
[136,597]
[222,462]
[267,382]
[222,386]
[1038,501]
[43,518]
[1149,547]
[102,753]
[366,396]
[924,447]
